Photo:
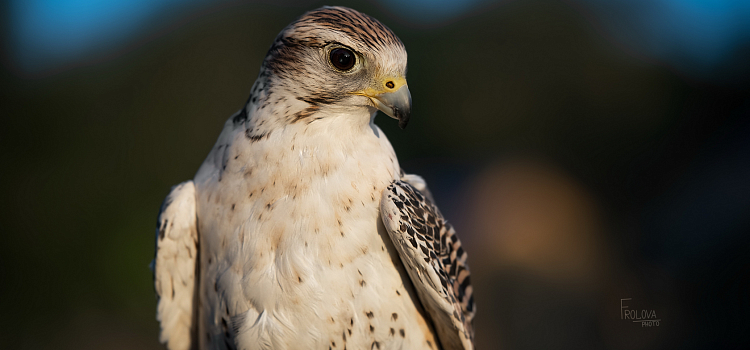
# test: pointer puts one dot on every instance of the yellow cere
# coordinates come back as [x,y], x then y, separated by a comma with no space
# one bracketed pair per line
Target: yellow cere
[384,87]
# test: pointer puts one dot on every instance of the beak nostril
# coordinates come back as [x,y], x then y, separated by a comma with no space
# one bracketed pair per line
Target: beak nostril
[390,85]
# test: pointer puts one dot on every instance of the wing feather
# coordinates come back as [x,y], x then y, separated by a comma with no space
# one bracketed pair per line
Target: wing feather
[433,256]
[175,268]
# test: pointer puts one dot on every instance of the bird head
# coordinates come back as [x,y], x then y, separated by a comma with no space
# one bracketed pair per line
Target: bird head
[336,57]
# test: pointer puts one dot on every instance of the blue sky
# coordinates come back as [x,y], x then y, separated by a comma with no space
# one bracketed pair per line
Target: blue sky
[45,33]
[691,34]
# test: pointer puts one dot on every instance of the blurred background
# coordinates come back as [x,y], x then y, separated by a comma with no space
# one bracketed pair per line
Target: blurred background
[587,152]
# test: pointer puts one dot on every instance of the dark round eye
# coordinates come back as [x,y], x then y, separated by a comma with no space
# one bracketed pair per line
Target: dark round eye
[342,58]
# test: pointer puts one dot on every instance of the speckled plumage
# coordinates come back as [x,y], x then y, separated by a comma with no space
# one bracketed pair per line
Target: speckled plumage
[278,241]
[433,256]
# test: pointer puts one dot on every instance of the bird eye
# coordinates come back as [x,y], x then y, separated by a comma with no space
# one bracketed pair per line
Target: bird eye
[342,58]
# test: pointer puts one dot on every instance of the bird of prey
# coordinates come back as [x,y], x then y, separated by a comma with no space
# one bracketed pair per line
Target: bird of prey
[300,230]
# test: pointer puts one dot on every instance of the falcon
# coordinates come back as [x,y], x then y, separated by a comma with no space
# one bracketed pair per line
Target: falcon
[300,230]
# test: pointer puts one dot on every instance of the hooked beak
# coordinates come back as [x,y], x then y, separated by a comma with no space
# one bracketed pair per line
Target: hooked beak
[393,99]
[396,105]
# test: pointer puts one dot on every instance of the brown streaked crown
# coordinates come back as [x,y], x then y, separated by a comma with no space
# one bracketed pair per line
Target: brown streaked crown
[297,67]
[357,25]
[327,25]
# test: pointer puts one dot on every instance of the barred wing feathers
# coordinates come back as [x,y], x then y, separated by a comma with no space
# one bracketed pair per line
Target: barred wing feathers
[433,256]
